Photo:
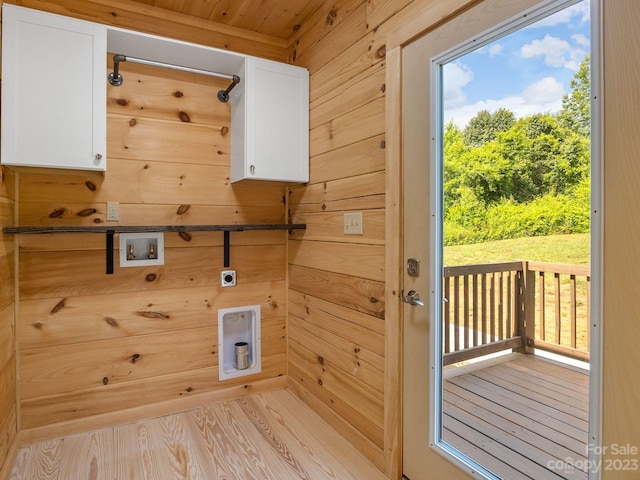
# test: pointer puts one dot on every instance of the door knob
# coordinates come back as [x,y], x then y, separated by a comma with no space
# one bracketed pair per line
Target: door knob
[412,298]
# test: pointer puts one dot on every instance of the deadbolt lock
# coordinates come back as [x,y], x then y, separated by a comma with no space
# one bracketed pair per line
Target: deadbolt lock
[413,267]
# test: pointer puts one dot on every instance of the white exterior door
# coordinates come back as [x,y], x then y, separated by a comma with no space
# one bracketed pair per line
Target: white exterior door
[422,459]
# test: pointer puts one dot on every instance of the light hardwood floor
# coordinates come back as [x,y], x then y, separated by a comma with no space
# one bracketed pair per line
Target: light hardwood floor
[273,435]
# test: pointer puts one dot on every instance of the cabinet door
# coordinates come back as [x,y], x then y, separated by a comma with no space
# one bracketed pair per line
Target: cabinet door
[53,90]
[277,121]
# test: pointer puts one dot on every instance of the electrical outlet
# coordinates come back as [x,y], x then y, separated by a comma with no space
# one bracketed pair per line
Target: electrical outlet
[228,278]
[113,211]
[353,223]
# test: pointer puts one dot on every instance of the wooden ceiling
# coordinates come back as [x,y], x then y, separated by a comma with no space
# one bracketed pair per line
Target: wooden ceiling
[277,18]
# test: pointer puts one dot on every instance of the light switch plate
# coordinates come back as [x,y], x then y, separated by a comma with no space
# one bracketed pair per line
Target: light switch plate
[113,211]
[353,223]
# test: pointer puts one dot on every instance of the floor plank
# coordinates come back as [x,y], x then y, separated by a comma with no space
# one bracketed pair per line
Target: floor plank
[273,435]
[222,456]
[302,424]
[126,454]
[518,417]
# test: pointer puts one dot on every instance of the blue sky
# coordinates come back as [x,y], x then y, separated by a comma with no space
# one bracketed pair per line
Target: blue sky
[526,72]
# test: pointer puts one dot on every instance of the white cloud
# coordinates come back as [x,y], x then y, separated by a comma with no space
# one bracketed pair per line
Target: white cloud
[456,76]
[556,52]
[581,40]
[566,15]
[492,49]
[543,92]
[544,96]
[495,49]
[565,49]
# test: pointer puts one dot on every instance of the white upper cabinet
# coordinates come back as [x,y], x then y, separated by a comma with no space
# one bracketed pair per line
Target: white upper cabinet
[53,91]
[270,123]
[54,82]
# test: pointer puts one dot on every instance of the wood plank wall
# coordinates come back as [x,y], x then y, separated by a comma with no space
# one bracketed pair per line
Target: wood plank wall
[343,320]
[337,289]
[8,386]
[91,344]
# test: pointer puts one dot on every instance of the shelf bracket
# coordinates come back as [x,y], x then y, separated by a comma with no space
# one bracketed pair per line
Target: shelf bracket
[227,248]
[110,234]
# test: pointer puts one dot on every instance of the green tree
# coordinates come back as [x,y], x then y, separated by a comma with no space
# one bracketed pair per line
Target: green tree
[453,171]
[576,106]
[507,178]
[485,126]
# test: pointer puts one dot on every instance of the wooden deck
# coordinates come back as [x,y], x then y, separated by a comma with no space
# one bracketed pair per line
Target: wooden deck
[267,436]
[522,418]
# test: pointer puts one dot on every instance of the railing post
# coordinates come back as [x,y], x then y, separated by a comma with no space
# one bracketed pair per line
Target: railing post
[520,306]
[526,303]
[530,310]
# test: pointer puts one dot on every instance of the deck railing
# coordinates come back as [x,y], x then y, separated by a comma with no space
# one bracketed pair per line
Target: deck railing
[515,305]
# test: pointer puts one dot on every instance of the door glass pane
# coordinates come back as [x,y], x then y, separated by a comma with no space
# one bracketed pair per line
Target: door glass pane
[516,252]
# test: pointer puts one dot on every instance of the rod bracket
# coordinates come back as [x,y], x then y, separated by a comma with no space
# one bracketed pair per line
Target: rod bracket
[115,78]
[223,95]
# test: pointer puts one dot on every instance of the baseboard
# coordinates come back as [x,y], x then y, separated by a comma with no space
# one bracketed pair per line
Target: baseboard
[120,417]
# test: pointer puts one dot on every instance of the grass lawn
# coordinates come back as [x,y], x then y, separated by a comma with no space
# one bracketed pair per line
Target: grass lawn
[572,249]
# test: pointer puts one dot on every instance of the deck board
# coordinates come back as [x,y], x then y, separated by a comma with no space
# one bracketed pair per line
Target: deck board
[518,416]
[272,435]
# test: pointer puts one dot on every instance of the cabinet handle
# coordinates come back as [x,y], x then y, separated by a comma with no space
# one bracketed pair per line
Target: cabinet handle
[252,168]
[98,156]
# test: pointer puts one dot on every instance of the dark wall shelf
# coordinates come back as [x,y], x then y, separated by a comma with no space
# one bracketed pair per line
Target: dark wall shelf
[110,231]
[154,228]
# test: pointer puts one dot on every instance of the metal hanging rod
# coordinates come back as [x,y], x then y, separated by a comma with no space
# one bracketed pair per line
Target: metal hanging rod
[115,78]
